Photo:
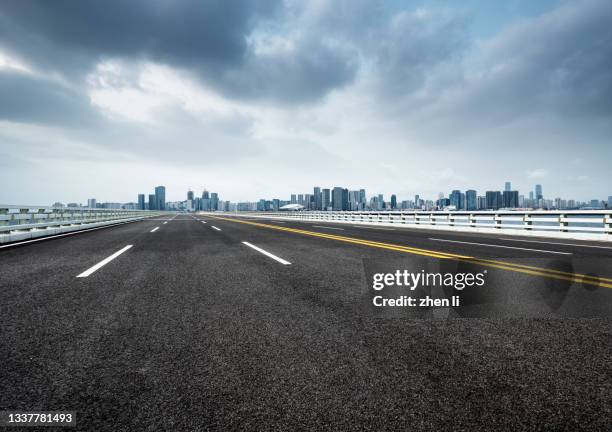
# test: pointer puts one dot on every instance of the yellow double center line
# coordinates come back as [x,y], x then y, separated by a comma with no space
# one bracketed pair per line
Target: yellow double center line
[519,268]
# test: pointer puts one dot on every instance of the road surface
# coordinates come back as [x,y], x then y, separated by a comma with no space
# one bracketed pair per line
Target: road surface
[206,323]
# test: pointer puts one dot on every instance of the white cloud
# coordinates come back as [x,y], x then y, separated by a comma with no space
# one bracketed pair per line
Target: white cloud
[537,173]
[11,63]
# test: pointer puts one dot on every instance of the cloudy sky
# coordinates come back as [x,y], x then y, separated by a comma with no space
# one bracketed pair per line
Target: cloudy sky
[253,99]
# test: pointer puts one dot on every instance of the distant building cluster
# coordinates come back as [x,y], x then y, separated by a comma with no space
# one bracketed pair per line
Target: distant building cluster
[343,199]
[209,201]
[156,200]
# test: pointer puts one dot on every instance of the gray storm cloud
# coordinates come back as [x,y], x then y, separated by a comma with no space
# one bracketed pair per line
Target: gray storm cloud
[300,78]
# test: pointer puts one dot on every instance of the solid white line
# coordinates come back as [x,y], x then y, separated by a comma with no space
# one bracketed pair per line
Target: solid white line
[500,246]
[62,235]
[214,227]
[203,221]
[376,228]
[320,226]
[154,229]
[553,243]
[266,253]
[165,222]
[103,262]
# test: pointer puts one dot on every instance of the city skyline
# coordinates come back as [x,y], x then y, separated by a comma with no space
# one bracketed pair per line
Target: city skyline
[402,97]
[338,198]
[177,195]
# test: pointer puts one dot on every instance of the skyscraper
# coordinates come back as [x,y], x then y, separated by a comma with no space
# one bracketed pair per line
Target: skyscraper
[308,201]
[538,192]
[152,202]
[362,198]
[91,203]
[205,201]
[511,199]
[325,199]
[494,200]
[508,186]
[141,202]
[160,198]
[340,199]
[318,205]
[190,195]
[293,199]
[471,200]
[214,201]
[393,202]
[456,199]
[354,200]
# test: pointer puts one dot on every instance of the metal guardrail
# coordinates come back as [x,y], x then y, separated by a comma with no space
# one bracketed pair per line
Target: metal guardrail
[577,224]
[27,222]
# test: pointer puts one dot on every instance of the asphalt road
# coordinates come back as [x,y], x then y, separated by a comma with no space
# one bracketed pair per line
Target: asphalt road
[192,329]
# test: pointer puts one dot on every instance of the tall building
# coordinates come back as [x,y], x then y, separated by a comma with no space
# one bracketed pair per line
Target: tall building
[340,199]
[354,200]
[214,201]
[205,201]
[293,199]
[393,202]
[190,195]
[538,192]
[160,198]
[318,204]
[471,200]
[610,202]
[152,202]
[457,199]
[141,202]
[511,199]
[91,203]
[494,200]
[362,198]
[508,186]
[325,199]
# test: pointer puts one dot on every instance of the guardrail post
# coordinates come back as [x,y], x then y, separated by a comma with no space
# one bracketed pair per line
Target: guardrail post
[527,222]
[471,220]
[562,223]
[4,216]
[497,221]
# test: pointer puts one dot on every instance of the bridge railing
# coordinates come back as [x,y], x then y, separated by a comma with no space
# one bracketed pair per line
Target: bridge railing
[27,222]
[575,224]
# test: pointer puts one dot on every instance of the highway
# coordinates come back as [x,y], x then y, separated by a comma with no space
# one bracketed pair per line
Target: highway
[215,323]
